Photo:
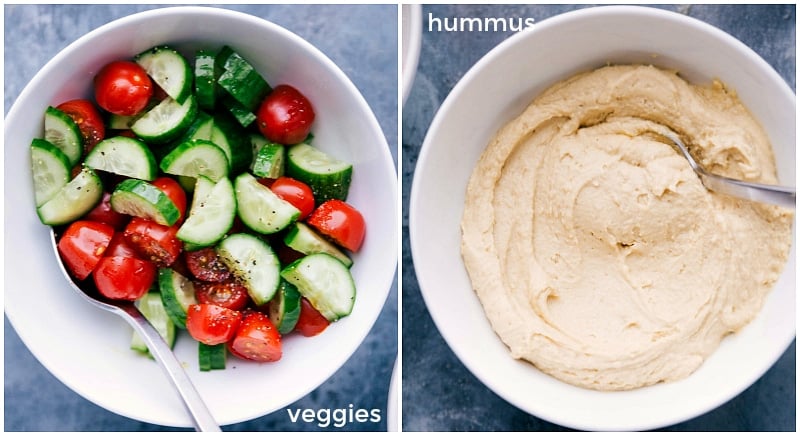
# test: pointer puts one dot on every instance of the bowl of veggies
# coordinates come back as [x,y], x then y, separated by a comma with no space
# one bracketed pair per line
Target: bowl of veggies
[206,171]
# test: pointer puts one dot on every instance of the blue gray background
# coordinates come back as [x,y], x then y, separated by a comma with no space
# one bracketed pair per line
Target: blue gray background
[439,393]
[362,41]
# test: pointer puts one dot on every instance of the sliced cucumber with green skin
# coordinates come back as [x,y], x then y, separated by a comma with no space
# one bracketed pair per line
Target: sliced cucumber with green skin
[304,239]
[166,121]
[205,79]
[284,308]
[211,357]
[169,69]
[253,262]
[196,158]
[63,132]
[212,213]
[243,115]
[177,294]
[153,310]
[326,282]
[73,200]
[269,162]
[124,156]
[121,122]
[139,198]
[233,140]
[243,82]
[50,168]
[260,209]
[328,177]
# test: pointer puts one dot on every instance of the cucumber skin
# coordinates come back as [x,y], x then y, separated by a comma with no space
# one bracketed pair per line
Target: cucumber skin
[169,297]
[289,297]
[168,212]
[325,187]
[211,357]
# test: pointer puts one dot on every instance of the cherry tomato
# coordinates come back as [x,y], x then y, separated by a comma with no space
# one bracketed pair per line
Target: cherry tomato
[123,88]
[206,265]
[83,244]
[340,222]
[212,324]
[155,242]
[229,294]
[120,247]
[257,339]
[175,192]
[124,278]
[104,214]
[295,192]
[285,116]
[310,322]
[88,119]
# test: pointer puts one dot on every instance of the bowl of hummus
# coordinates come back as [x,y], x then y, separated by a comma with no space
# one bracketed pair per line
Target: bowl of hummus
[573,261]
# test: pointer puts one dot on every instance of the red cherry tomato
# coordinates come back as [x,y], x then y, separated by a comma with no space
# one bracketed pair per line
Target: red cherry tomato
[175,192]
[124,278]
[82,246]
[88,119]
[310,322]
[122,88]
[212,324]
[104,214]
[229,294]
[257,339]
[120,247]
[341,222]
[206,265]
[154,242]
[285,116]
[295,192]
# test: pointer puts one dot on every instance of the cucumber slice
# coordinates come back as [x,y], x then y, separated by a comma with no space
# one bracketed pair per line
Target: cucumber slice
[177,294]
[166,121]
[139,198]
[169,69]
[73,200]
[50,168]
[121,122]
[243,115]
[325,282]
[63,132]
[328,177]
[211,357]
[196,158]
[233,140]
[260,209]
[153,310]
[212,213]
[124,156]
[284,308]
[243,82]
[254,263]
[269,161]
[205,79]
[304,239]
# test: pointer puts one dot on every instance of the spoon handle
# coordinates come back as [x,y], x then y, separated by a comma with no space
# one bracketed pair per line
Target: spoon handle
[773,194]
[203,420]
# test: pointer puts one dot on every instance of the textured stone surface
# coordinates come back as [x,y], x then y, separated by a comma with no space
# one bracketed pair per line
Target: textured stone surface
[439,393]
[37,401]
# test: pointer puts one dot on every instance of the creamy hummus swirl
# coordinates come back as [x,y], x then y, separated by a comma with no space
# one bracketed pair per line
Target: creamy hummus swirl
[594,249]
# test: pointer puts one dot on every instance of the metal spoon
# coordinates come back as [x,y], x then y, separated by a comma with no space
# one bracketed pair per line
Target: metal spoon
[773,194]
[201,417]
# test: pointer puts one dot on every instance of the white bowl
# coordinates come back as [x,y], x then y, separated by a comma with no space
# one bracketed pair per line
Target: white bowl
[482,102]
[411,43]
[87,349]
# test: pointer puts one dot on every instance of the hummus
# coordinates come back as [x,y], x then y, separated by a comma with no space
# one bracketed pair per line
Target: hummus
[593,247]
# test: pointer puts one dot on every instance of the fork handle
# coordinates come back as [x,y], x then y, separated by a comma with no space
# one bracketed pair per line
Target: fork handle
[201,416]
[773,194]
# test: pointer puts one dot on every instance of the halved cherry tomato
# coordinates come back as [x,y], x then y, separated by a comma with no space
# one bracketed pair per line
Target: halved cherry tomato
[88,119]
[154,242]
[285,116]
[120,247]
[175,192]
[206,265]
[229,294]
[310,322]
[104,214]
[212,324]
[340,222]
[257,339]
[124,278]
[295,192]
[123,88]
[82,246]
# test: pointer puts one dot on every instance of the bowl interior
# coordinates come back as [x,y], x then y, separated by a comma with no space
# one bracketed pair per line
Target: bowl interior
[89,349]
[529,62]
